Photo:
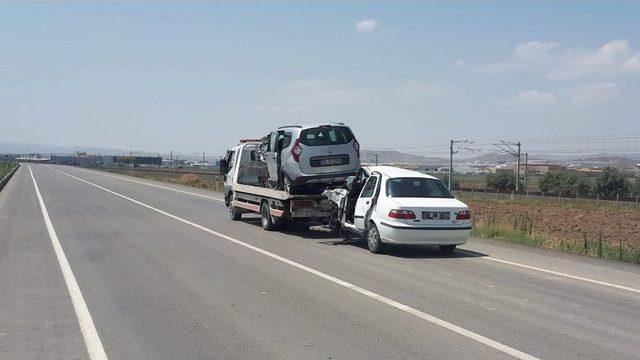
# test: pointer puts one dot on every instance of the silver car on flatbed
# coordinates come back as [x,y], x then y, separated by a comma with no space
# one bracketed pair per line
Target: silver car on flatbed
[300,155]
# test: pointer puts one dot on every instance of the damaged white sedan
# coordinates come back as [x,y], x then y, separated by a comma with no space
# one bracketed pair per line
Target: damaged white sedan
[390,205]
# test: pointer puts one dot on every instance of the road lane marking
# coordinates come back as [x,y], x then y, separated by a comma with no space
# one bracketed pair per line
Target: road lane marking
[408,309]
[557,273]
[157,186]
[524,266]
[89,332]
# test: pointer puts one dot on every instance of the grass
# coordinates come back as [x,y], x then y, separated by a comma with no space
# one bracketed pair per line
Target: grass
[522,232]
[6,168]
[210,182]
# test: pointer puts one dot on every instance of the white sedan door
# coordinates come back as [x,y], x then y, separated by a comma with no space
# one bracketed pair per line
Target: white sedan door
[365,201]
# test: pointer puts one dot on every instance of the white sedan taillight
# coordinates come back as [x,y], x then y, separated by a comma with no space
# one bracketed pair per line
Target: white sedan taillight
[402,214]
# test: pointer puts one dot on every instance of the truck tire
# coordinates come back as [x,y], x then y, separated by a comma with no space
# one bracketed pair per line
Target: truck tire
[234,212]
[373,239]
[286,184]
[268,222]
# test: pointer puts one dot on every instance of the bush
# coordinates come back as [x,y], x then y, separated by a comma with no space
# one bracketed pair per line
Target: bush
[502,180]
[611,183]
[566,183]
[455,183]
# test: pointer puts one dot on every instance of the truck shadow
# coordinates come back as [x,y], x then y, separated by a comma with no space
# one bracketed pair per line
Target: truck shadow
[404,251]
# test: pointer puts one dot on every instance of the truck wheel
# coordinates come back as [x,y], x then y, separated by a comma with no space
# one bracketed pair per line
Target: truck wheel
[286,183]
[268,222]
[447,249]
[234,212]
[373,239]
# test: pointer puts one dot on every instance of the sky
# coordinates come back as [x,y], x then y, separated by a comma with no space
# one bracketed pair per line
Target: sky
[199,76]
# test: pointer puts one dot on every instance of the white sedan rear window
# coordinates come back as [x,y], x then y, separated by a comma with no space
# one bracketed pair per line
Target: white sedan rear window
[417,188]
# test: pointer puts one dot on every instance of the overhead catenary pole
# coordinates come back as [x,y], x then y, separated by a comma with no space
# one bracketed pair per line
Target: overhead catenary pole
[450,163]
[526,170]
[507,147]
[465,144]
[518,170]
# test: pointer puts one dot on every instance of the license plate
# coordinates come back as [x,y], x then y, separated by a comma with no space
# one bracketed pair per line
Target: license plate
[329,162]
[435,215]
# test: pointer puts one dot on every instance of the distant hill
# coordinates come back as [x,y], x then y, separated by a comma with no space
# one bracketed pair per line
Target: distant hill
[396,157]
[488,157]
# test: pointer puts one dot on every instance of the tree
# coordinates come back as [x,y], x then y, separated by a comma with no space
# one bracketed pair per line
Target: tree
[502,180]
[635,190]
[611,182]
[566,183]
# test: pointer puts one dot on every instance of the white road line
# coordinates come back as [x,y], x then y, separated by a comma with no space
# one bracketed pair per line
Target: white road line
[430,318]
[157,186]
[557,273]
[91,338]
[524,266]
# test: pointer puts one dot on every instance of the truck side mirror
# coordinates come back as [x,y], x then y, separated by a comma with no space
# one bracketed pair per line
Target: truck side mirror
[224,167]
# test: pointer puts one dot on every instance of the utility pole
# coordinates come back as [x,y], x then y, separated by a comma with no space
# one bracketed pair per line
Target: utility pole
[450,163]
[526,170]
[376,155]
[518,171]
[513,149]
[203,161]
[171,161]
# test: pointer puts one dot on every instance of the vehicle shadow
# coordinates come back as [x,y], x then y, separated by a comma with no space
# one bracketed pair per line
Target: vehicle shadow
[404,251]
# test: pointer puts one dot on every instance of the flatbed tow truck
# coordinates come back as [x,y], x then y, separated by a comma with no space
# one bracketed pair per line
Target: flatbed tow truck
[247,191]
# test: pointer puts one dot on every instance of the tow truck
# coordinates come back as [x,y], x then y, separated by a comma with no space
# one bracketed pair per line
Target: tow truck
[247,190]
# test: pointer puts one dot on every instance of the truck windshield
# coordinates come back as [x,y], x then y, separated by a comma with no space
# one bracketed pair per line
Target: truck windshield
[326,135]
[417,188]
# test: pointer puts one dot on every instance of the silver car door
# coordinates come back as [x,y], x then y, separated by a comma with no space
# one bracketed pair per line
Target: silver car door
[272,157]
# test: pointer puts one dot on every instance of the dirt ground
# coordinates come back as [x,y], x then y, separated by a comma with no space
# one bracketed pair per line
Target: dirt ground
[562,221]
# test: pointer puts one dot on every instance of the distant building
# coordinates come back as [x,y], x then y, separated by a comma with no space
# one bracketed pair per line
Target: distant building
[131,161]
[542,168]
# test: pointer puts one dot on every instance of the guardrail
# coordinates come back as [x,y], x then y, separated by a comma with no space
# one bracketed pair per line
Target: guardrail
[5,180]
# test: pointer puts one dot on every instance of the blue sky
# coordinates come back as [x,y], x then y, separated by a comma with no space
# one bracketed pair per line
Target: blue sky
[197,76]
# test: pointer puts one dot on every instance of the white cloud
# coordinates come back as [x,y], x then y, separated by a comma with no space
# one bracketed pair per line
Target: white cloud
[502,66]
[534,50]
[366,25]
[592,94]
[613,58]
[459,64]
[535,97]
[557,62]
[580,96]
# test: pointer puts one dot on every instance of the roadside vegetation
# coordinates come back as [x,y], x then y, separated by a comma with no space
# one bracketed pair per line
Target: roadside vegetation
[6,167]
[579,227]
[203,181]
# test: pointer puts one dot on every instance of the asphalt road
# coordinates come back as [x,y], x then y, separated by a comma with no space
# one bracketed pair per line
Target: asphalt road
[164,274]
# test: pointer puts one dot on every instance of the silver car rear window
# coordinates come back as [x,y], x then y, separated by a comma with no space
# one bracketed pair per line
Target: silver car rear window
[326,135]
